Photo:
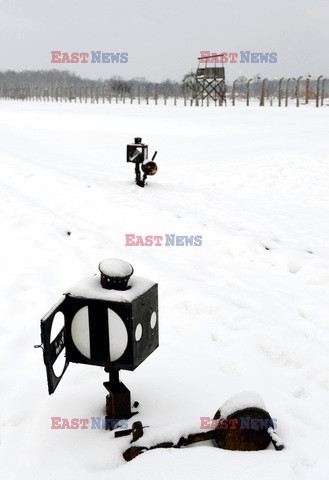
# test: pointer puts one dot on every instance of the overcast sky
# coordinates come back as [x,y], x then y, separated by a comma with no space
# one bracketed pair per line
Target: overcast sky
[163,38]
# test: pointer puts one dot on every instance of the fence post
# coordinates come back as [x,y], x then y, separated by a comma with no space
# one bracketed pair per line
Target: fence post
[165,94]
[322,93]
[280,91]
[262,94]
[318,90]
[147,93]
[307,90]
[287,93]
[233,93]
[297,91]
[156,94]
[248,91]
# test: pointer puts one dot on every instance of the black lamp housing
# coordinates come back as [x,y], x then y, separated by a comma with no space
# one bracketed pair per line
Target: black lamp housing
[137,152]
[115,327]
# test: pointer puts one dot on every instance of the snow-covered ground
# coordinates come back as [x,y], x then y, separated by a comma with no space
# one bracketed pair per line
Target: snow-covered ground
[246,310]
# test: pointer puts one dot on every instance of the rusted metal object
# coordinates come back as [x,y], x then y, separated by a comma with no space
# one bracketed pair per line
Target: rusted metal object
[257,437]
[134,451]
[136,431]
[245,439]
[150,168]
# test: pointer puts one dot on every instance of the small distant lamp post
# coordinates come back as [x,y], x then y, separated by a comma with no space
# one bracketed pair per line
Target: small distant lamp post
[233,93]
[322,93]
[298,90]
[112,322]
[280,91]
[262,94]
[318,90]
[137,153]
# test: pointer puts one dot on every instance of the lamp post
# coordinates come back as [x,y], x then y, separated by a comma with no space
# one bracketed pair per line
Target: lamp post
[233,93]
[112,322]
[137,153]
[262,94]
[280,91]
[297,90]
[322,93]
[318,90]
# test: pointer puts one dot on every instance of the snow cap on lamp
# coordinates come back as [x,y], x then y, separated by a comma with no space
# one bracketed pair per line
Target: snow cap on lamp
[115,273]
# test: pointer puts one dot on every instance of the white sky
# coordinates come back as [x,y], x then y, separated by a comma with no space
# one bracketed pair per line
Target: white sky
[163,38]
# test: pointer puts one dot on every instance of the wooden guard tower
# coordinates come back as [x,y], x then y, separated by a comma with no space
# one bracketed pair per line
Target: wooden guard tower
[210,82]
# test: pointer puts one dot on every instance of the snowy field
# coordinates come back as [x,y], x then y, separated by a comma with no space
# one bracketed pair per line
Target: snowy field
[246,310]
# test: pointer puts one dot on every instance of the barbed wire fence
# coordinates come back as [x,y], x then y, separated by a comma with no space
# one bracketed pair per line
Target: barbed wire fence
[255,91]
